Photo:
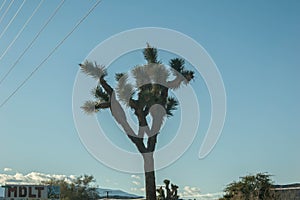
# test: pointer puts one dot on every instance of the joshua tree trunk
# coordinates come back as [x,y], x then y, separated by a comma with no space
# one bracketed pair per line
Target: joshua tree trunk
[149,176]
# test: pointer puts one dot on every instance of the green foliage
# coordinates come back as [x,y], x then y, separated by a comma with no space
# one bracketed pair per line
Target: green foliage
[158,73]
[124,89]
[150,54]
[172,104]
[89,107]
[250,187]
[118,76]
[100,94]
[177,64]
[167,193]
[151,84]
[188,75]
[93,69]
[81,188]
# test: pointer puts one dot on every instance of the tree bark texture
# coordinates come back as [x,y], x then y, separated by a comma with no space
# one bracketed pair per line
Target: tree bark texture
[149,176]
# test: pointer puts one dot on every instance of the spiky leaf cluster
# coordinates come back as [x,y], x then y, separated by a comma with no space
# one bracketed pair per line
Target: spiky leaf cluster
[150,74]
[124,89]
[178,69]
[188,75]
[151,82]
[177,64]
[102,98]
[93,70]
[118,76]
[141,76]
[172,104]
[150,54]
[89,107]
[158,73]
[100,94]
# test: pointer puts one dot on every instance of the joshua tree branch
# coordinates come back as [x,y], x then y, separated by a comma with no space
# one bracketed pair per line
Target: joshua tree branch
[175,83]
[138,143]
[119,115]
[133,104]
[151,143]
[102,105]
[108,89]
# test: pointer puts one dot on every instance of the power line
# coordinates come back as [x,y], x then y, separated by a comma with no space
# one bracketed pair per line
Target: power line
[51,53]
[7,9]
[3,3]
[12,19]
[31,43]
[21,30]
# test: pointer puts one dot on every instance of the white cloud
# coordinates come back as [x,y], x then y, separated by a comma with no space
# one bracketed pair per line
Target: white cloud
[32,178]
[6,169]
[195,193]
[135,177]
[189,191]
[134,189]
[136,182]
[138,190]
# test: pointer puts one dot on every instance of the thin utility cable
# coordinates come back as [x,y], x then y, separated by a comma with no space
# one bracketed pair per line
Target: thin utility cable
[31,43]
[22,29]
[7,9]
[2,5]
[51,53]
[12,19]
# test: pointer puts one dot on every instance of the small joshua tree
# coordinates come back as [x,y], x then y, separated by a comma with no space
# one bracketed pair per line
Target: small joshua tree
[148,96]
[171,192]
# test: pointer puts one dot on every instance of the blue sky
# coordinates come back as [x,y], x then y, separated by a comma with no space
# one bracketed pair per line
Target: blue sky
[255,45]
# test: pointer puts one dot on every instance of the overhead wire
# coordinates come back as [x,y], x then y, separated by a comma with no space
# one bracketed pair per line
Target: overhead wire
[2,5]
[32,42]
[50,54]
[7,9]
[21,30]
[12,19]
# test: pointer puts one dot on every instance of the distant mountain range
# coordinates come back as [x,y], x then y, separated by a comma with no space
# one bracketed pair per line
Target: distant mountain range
[116,194]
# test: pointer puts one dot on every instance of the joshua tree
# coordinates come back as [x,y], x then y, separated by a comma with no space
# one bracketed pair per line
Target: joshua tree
[148,96]
[171,193]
